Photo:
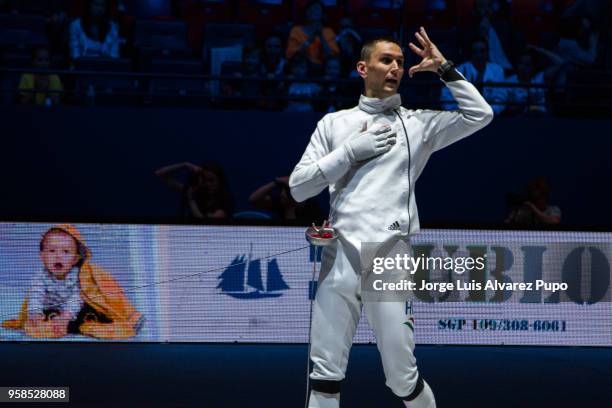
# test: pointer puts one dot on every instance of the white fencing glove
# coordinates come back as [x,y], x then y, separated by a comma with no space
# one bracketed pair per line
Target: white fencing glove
[370,143]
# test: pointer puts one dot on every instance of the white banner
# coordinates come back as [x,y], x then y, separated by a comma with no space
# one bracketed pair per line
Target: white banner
[252,284]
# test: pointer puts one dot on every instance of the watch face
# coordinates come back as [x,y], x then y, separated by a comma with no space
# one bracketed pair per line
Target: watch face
[445,67]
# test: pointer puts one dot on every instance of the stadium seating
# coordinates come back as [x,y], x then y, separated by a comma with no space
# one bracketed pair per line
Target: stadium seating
[102,80]
[176,86]
[163,38]
[21,31]
[223,35]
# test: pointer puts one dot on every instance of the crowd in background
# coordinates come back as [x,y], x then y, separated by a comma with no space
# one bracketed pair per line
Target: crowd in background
[297,56]
[204,194]
[300,56]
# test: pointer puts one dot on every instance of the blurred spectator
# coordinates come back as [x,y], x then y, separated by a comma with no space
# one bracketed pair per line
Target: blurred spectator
[251,67]
[597,10]
[578,42]
[275,66]
[526,100]
[95,34]
[480,71]
[302,90]
[40,89]
[250,85]
[57,24]
[490,20]
[349,43]
[252,62]
[332,90]
[577,48]
[273,61]
[313,40]
[534,209]
[204,193]
[275,197]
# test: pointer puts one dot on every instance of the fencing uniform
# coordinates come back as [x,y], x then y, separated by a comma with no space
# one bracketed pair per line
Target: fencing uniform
[372,201]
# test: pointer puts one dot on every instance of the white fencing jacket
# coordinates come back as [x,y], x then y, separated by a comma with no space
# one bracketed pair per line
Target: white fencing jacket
[373,200]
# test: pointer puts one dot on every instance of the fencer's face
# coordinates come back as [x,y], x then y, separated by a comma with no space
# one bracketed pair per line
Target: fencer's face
[383,71]
[59,253]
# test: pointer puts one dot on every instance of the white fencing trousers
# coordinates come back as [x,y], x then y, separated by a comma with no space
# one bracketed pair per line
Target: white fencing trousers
[336,313]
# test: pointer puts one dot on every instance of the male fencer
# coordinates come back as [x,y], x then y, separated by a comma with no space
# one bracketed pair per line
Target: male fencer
[370,157]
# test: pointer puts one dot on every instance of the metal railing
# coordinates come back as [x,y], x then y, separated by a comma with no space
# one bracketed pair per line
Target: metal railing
[147,86]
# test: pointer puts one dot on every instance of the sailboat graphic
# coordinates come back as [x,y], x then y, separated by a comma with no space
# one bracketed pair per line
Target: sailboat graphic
[232,279]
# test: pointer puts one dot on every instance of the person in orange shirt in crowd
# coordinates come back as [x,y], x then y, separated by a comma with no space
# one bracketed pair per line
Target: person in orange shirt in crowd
[313,40]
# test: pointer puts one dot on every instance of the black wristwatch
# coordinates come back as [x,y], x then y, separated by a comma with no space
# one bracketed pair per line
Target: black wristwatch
[445,67]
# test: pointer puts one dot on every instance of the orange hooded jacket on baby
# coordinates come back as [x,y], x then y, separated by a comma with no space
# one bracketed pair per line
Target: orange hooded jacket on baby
[100,291]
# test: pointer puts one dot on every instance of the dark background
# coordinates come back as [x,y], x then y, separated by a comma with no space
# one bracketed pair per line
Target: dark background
[264,376]
[99,163]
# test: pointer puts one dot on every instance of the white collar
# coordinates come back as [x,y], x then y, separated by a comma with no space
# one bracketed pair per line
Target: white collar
[377,105]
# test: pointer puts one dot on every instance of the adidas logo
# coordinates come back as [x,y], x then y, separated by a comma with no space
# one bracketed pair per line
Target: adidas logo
[394,227]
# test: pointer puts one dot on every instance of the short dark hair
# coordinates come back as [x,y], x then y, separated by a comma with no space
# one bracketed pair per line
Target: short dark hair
[368,46]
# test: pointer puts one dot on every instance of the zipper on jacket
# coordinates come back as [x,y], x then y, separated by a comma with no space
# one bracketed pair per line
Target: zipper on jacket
[409,167]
